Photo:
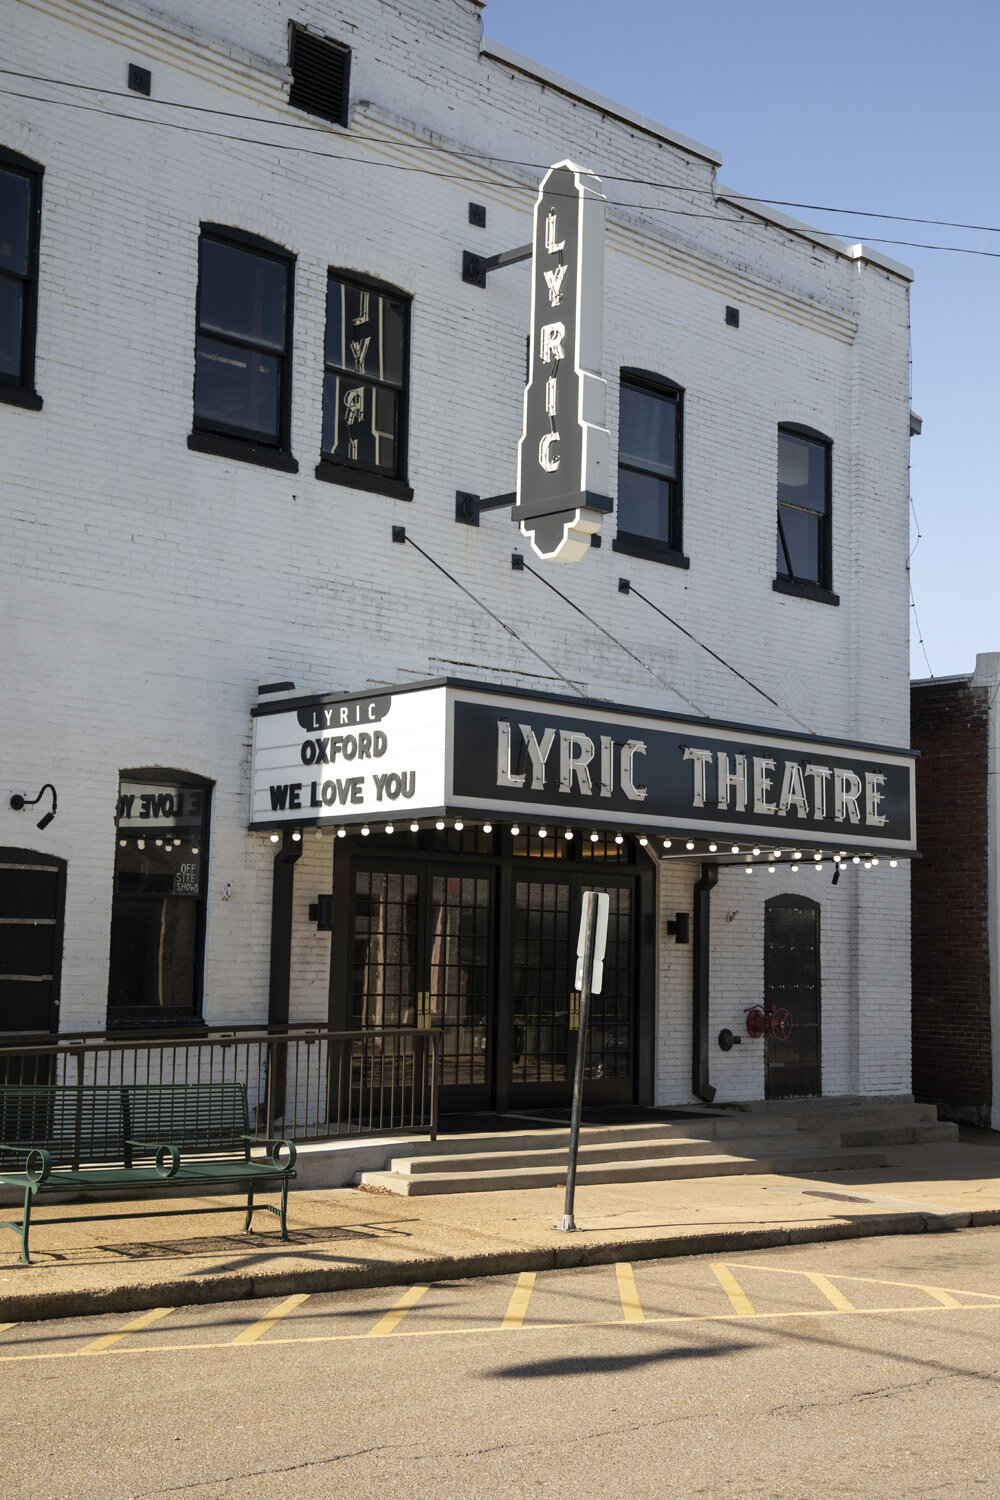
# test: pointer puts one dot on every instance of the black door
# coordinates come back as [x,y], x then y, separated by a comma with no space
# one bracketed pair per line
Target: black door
[546,1008]
[32,895]
[423,956]
[792,982]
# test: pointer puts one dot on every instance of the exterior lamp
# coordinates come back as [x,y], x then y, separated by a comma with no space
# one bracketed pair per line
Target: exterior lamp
[18,802]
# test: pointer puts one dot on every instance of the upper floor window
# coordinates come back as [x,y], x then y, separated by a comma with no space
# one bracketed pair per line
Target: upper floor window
[242,383]
[803,544]
[20,218]
[649,468]
[365,386]
[321,76]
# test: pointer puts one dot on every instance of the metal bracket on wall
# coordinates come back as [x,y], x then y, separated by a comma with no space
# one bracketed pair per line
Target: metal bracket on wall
[468,508]
[476,268]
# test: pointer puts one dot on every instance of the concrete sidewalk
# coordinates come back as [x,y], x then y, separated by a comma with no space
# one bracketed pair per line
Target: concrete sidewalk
[145,1257]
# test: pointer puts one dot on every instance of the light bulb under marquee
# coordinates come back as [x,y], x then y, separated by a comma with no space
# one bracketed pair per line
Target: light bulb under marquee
[667,843]
[543,833]
[390,828]
[122,843]
[296,837]
[735,849]
[893,863]
[487,827]
[689,844]
[439,824]
[414,827]
[274,838]
[712,848]
[643,841]
[868,864]
[756,849]
[141,843]
[797,854]
[795,869]
[619,839]
[818,854]
[158,843]
[568,834]
[818,865]
[856,860]
[514,830]
[459,825]
[195,849]
[594,837]
[749,869]
[770,869]
[874,861]
[365,831]
[341,833]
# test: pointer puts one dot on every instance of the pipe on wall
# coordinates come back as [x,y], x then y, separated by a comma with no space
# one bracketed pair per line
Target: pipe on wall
[702,936]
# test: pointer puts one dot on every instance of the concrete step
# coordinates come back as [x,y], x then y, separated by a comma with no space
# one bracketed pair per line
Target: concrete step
[921,1133]
[712,1127]
[658,1170]
[614,1151]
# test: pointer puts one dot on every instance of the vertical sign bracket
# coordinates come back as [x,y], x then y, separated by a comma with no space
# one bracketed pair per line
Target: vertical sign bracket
[588,980]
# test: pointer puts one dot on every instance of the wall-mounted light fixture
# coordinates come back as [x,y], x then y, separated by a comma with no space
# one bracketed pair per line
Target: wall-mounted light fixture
[17,802]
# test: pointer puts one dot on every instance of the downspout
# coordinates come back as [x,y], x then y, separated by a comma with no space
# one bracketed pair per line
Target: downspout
[280,976]
[702,937]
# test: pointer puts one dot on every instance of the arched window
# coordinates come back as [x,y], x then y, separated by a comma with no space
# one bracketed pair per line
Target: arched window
[804,562]
[158,910]
[649,468]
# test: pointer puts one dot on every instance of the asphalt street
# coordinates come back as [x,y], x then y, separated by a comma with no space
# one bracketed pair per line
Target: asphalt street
[861,1368]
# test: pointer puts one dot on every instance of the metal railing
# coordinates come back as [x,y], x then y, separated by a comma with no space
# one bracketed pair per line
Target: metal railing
[303,1082]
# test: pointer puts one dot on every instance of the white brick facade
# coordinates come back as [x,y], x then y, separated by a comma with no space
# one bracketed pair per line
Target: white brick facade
[146,588]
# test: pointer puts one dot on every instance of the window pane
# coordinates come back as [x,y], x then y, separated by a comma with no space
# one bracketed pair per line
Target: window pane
[359,423]
[15,210]
[11,300]
[802,472]
[648,431]
[238,387]
[153,951]
[802,536]
[242,293]
[644,505]
[364,332]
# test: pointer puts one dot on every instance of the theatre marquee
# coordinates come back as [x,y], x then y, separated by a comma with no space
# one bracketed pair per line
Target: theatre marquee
[459,749]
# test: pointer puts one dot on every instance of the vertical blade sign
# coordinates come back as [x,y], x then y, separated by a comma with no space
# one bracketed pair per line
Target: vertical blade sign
[562,467]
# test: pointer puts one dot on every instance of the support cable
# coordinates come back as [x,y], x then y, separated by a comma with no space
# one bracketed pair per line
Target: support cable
[620,644]
[631,589]
[502,623]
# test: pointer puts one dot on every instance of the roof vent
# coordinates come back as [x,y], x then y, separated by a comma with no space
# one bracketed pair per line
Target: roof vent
[321,76]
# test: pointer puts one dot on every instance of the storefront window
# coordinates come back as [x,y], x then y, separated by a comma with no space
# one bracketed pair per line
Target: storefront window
[157,920]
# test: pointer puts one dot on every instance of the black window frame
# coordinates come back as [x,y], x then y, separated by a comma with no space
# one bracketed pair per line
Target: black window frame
[301,92]
[356,476]
[19,389]
[229,440]
[155,1017]
[634,543]
[819,589]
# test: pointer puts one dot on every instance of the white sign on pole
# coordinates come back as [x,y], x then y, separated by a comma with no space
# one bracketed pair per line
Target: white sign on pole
[600,939]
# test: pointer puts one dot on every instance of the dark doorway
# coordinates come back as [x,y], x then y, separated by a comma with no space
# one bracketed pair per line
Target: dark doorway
[32,901]
[476,933]
[792,982]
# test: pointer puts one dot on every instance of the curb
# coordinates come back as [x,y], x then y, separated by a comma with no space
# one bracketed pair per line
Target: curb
[176,1292]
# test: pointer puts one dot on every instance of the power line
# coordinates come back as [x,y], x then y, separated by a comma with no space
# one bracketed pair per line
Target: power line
[626,587]
[744,198]
[916,621]
[502,623]
[628,652]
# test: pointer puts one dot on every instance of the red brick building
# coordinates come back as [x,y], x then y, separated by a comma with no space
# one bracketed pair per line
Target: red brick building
[955,726]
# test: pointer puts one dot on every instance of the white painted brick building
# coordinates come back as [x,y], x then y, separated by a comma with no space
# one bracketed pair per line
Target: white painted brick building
[148,586]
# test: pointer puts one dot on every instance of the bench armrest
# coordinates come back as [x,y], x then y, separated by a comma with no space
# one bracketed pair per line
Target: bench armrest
[162,1154]
[38,1163]
[275,1144]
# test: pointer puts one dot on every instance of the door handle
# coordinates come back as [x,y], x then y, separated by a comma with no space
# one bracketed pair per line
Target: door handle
[574,1010]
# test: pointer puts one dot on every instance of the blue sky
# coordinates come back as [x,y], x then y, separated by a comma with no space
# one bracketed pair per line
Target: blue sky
[876,105]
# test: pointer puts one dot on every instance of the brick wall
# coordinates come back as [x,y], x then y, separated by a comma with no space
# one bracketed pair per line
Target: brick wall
[952,1065]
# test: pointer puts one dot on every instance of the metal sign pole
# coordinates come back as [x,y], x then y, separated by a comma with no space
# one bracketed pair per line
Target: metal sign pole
[593,933]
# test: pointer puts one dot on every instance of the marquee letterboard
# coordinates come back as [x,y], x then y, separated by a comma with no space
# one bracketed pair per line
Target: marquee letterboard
[461,749]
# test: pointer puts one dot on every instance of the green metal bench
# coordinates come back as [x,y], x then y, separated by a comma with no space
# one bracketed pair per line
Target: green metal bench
[143,1137]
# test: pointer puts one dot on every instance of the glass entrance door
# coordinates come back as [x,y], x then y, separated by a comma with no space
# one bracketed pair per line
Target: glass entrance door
[546,1009]
[423,956]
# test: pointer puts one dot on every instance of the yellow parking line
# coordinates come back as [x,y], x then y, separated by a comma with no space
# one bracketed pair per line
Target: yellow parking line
[398,1312]
[832,1293]
[5,1326]
[737,1296]
[99,1345]
[940,1295]
[518,1305]
[257,1330]
[628,1292]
